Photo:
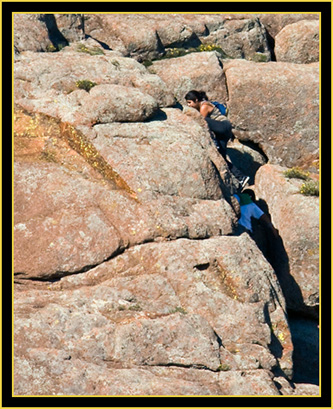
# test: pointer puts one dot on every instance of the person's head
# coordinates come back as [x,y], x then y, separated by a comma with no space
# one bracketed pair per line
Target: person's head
[250,193]
[194,98]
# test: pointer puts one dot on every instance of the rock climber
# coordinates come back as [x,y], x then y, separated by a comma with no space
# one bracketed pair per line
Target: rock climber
[265,235]
[219,126]
[249,209]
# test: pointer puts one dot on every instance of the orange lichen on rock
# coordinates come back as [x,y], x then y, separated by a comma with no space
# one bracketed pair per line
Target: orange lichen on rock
[41,137]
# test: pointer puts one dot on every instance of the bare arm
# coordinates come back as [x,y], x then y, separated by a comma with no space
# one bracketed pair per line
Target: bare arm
[206,109]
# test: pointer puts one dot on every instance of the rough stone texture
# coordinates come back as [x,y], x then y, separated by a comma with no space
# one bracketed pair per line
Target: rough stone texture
[298,42]
[163,305]
[80,215]
[148,36]
[105,103]
[274,23]
[276,105]
[248,383]
[128,277]
[32,33]
[71,26]
[241,37]
[297,218]
[146,154]
[50,79]
[200,71]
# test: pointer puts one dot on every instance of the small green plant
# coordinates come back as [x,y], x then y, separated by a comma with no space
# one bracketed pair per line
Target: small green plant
[48,156]
[210,47]
[135,307]
[50,48]
[85,84]
[223,367]
[296,173]
[147,63]
[179,52]
[259,57]
[181,310]
[81,48]
[310,188]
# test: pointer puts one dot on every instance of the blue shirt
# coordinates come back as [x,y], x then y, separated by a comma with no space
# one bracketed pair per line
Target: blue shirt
[248,211]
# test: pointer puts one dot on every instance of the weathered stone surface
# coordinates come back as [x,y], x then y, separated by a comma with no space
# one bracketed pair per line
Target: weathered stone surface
[51,79]
[128,279]
[165,305]
[200,71]
[241,36]
[155,157]
[297,218]
[276,105]
[106,103]
[30,33]
[274,23]
[298,42]
[182,340]
[71,26]
[147,36]
[77,203]
[248,383]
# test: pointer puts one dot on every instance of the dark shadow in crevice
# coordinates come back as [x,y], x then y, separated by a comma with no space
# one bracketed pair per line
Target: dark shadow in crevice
[103,45]
[305,338]
[271,45]
[158,115]
[244,161]
[302,320]
[56,37]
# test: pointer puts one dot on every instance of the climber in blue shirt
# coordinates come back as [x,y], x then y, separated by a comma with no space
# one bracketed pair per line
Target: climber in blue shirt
[248,210]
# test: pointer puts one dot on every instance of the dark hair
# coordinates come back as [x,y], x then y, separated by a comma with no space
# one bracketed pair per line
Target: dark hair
[251,193]
[196,95]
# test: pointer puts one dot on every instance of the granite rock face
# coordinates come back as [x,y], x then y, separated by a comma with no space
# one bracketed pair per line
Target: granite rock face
[129,275]
[276,105]
[297,218]
[298,42]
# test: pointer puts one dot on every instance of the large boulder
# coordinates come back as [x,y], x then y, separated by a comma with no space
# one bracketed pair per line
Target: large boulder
[79,202]
[30,33]
[155,310]
[54,82]
[276,106]
[200,71]
[296,216]
[274,23]
[147,36]
[298,42]
[241,36]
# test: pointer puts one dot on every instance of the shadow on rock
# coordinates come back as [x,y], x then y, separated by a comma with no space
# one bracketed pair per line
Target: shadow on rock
[55,36]
[305,337]
[275,253]
[301,319]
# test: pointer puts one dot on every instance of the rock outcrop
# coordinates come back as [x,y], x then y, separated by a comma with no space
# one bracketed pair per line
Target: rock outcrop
[276,106]
[293,214]
[298,42]
[129,278]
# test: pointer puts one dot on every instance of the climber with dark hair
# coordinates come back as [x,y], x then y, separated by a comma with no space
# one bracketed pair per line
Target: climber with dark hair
[219,126]
[249,209]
